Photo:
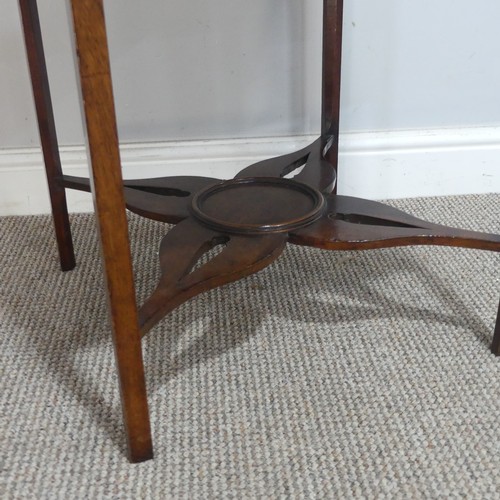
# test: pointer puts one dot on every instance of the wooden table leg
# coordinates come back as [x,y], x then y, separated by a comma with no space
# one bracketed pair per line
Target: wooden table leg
[46,126]
[495,346]
[107,187]
[331,73]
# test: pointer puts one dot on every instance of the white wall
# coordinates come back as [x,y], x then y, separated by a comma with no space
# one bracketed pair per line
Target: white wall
[195,69]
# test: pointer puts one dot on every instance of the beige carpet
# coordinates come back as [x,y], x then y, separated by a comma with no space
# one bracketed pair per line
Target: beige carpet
[328,375]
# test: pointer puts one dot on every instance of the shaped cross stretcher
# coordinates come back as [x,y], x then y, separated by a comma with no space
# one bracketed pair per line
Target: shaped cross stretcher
[264,211]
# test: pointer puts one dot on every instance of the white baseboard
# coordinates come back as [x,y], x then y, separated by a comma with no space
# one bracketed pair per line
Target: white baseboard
[374,165]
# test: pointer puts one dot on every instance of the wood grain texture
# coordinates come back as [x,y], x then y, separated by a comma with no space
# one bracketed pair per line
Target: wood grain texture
[107,188]
[316,171]
[165,199]
[356,224]
[46,126]
[183,246]
[257,205]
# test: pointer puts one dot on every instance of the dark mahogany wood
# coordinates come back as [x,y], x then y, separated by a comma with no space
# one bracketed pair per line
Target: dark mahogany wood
[330,101]
[165,199]
[242,211]
[315,170]
[495,346]
[252,217]
[97,93]
[183,246]
[47,129]
[257,205]
[356,224]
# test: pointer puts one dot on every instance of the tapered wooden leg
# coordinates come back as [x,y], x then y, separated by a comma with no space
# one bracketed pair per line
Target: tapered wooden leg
[495,346]
[46,126]
[332,58]
[107,188]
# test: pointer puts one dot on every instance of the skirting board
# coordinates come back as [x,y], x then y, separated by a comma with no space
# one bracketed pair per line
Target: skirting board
[374,165]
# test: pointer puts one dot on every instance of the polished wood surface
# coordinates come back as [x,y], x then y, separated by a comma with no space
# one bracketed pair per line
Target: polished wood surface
[290,198]
[181,249]
[165,199]
[107,189]
[310,165]
[254,207]
[47,129]
[333,12]
[357,224]
[257,205]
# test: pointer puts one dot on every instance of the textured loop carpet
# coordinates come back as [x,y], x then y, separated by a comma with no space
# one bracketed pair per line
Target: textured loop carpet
[327,375]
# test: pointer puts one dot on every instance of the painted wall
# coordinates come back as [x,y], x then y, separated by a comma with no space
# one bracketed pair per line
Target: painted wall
[230,69]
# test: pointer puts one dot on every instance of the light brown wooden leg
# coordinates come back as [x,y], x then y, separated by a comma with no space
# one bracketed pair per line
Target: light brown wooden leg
[495,346]
[106,178]
[46,126]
